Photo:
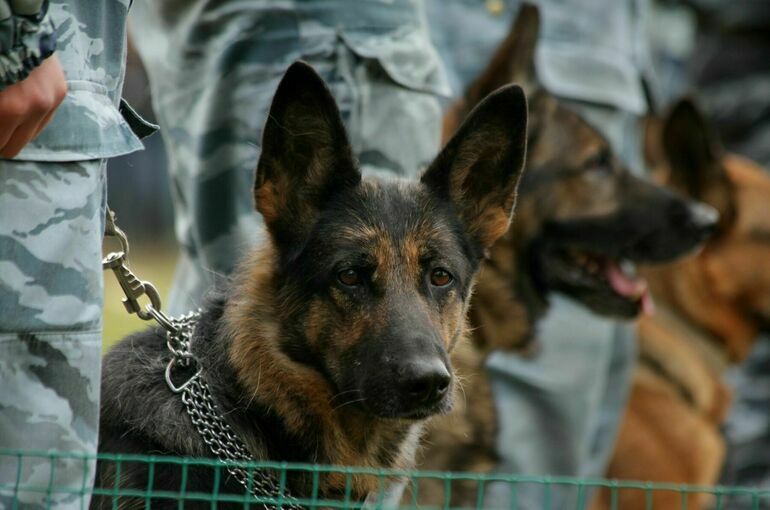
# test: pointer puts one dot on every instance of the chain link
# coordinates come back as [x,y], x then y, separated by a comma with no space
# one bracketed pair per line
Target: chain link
[208,421]
[178,338]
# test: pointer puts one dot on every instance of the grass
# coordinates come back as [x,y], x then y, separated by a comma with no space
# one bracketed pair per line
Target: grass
[153,263]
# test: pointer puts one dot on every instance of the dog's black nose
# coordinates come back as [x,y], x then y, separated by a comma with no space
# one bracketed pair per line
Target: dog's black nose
[424,382]
[704,219]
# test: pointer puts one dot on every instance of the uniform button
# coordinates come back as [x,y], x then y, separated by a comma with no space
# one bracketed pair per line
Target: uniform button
[495,7]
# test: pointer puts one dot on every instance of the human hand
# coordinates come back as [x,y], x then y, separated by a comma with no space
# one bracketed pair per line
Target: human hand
[28,106]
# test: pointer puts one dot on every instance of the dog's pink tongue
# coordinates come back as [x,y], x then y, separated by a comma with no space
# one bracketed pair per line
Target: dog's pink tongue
[630,287]
[648,305]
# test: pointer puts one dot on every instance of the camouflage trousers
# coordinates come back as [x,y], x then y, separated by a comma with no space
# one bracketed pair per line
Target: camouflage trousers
[51,223]
[374,55]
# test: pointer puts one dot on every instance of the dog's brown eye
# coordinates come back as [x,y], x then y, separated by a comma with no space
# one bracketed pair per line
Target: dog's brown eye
[440,278]
[349,277]
[601,160]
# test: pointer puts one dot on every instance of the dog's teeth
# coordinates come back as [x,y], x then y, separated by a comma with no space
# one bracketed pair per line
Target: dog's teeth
[628,267]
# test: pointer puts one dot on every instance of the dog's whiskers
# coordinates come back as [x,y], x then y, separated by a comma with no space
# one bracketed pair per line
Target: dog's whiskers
[355,400]
[461,388]
[336,395]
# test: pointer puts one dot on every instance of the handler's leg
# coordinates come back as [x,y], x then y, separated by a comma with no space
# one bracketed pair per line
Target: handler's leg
[51,223]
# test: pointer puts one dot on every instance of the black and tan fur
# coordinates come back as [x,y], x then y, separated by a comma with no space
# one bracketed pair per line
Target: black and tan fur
[578,210]
[711,307]
[331,344]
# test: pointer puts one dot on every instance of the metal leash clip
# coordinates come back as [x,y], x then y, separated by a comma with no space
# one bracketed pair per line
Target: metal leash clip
[133,287]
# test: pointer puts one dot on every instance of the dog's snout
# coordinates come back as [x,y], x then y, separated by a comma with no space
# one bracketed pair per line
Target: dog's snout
[424,382]
[704,219]
[407,373]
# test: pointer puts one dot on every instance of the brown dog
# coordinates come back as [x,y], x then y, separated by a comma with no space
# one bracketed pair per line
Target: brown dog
[709,310]
[581,216]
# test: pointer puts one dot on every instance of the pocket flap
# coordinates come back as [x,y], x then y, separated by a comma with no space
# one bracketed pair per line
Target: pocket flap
[406,55]
[136,122]
[87,125]
[594,76]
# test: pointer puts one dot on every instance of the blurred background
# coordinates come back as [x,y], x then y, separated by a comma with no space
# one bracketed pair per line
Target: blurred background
[718,51]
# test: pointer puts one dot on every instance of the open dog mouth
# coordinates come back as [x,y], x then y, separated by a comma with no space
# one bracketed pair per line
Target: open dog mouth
[607,285]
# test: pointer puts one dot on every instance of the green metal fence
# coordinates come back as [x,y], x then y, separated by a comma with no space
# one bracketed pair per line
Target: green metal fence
[36,480]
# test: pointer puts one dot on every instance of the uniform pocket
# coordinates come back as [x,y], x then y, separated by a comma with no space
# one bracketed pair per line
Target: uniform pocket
[591,74]
[87,125]
[405,55]
[395,80]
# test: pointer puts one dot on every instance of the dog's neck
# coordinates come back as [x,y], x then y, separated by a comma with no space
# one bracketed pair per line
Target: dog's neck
[681,328]
[298,396]
[684,289]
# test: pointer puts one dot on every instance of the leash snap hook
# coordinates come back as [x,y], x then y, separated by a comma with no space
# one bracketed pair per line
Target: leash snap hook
[111,229]
[133,287]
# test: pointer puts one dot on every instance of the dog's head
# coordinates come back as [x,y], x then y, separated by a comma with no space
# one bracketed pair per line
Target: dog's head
[373,277]
[583,219]
[726,287]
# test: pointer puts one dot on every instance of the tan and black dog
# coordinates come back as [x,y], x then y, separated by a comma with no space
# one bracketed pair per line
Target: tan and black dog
[709,310]
[582,219]
[331,345]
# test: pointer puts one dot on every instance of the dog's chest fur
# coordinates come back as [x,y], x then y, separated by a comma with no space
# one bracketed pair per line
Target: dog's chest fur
[141,415]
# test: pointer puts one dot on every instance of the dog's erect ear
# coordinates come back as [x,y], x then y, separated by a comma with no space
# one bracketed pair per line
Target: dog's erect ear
[652,142]
[514,60]
[694,154]
[479,168]
[305,155]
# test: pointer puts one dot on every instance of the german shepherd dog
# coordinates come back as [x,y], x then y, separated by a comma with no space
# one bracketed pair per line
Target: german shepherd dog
[331,344]
[710,309]
[581,217]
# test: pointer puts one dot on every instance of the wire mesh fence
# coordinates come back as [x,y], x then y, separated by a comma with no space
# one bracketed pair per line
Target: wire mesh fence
[56,479]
